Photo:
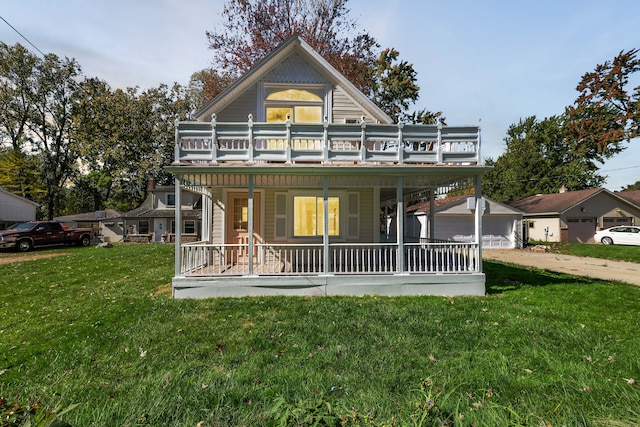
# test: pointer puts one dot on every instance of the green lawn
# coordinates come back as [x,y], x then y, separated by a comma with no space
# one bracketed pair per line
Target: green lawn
[612,252]
[97,328]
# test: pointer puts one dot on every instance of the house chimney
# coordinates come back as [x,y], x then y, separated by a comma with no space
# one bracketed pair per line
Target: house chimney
[151,184]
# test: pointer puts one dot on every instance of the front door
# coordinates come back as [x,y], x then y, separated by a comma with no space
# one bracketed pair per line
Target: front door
[238,226]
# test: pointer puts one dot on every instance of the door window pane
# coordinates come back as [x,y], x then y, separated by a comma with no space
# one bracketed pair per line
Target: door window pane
[241,214]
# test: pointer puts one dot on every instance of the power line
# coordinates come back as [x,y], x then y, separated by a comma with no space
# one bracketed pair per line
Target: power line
[21,35]
[36,48]
[620,169]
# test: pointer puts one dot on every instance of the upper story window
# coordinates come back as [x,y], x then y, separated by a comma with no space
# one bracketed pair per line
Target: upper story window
[171,200]
[301,105]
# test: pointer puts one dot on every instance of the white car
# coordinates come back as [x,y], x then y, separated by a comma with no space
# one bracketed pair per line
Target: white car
[621,235]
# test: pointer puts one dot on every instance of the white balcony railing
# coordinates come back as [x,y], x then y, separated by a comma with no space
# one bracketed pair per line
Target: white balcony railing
[326,143]
[206,259]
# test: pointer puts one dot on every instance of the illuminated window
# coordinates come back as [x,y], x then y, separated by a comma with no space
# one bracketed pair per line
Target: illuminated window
[308,213]
[293,95]
[301,105]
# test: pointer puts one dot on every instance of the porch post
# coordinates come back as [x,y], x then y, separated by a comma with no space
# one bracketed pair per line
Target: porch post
[204,227]
[250,224]
[325,226]
[432,216]
[478,220]
[400,225]
[208,218]
[177,218]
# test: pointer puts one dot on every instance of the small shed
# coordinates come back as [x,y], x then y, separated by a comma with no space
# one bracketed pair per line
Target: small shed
[501,224]
[14,208]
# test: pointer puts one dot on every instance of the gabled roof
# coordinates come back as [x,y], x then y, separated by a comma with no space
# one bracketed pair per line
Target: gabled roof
[146,210]
[294,44]
[15,196]
[632,196]
[90,216]
[555,203]
[424,207]
[444,203]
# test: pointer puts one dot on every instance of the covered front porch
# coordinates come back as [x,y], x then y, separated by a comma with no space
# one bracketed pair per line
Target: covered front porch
[260,252]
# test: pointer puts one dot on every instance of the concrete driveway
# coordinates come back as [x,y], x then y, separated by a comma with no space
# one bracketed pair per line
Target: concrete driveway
[596,268]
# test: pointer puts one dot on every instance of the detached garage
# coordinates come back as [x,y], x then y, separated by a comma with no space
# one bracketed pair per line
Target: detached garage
[14,208]
[575,216]
[454,221]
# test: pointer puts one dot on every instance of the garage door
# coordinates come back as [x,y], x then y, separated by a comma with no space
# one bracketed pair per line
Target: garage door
[609,222]
[581,229]
[496,230]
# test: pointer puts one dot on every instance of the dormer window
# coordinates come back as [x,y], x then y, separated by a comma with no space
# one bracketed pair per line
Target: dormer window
[301,105]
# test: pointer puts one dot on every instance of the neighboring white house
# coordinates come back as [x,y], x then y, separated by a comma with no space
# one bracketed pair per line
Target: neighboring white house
[294,165]
[14,208]
[455,221]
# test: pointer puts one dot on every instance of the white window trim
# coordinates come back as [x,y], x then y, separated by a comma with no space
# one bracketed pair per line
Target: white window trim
[322,90]
[184,227]
[345,233]
[172,227]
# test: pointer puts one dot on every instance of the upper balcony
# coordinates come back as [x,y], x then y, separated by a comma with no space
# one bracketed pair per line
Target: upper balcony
[325,143]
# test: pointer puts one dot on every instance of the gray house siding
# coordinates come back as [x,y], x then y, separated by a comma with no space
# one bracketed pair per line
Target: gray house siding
[366,227]
[239,110]
[344,108]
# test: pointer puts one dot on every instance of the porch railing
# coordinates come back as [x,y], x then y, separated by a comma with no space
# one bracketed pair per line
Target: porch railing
[257,142]
[206,259]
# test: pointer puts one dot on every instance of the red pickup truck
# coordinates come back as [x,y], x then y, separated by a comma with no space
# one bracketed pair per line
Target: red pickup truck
[25,236]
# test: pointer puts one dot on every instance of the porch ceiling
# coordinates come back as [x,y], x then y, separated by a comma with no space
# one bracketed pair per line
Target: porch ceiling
[414,176]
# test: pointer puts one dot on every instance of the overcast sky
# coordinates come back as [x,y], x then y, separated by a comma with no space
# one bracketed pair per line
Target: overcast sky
[493,61]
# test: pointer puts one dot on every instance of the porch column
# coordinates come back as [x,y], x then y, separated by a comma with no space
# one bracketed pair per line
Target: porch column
[177,221]
[478,220]
[206,216]
[376,216]
[325,226]
[400,225]
[250,224]
[432,216]
[209,219]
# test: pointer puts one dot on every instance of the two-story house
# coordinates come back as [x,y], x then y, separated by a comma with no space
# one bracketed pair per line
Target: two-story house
[295,167]
[155,219]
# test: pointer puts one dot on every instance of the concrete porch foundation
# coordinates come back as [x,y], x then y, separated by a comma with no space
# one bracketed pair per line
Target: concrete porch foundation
[471,284]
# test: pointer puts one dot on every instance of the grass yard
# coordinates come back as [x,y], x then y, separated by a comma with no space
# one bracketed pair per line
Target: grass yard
[597,250]
[97,328]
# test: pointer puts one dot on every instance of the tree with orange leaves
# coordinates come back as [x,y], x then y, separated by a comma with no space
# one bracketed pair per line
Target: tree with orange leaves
[253,28]
[607,111]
